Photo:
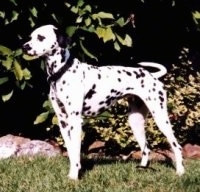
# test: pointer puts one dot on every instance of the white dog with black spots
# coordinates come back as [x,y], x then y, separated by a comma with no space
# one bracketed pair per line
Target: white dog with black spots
[78,89]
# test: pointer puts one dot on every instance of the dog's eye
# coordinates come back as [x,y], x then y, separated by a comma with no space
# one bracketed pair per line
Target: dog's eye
[40,37]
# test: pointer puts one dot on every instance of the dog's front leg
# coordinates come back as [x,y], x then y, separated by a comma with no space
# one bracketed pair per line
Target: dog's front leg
[72,138]
[70,123]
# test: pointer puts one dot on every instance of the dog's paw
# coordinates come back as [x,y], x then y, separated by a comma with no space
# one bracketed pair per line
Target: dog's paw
[73,177]
[180,171]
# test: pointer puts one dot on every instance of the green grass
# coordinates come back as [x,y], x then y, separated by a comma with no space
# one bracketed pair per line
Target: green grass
[50,175]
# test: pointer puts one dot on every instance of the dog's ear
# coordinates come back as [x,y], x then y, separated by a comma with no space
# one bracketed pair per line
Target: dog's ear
[63,40]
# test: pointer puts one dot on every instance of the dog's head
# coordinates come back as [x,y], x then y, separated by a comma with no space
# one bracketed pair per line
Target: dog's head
[44,40]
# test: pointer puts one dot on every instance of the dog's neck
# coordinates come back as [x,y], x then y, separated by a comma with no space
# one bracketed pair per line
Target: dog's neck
[58,61]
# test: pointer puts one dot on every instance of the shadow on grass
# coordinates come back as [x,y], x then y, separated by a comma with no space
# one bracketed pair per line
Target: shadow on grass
[89,163]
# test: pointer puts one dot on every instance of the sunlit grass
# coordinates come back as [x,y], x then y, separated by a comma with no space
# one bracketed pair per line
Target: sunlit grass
[50,174]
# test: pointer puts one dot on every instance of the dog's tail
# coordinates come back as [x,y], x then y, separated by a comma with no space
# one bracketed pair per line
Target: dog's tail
[162,69]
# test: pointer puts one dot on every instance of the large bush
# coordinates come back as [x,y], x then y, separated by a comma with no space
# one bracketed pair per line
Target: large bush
[100,34]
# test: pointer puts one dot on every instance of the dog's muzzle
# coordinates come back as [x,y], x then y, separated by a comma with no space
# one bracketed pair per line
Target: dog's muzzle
[26,47]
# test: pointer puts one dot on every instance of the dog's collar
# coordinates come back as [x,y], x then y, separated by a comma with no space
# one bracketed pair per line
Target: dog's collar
[57,75]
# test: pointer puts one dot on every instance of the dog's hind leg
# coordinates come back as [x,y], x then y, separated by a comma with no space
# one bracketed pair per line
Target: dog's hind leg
[158,109]
[137,115]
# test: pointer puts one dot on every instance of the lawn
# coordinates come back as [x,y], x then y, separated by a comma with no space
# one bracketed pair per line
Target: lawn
[40,174]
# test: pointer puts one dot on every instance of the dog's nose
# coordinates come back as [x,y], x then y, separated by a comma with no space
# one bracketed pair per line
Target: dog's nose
[26,47]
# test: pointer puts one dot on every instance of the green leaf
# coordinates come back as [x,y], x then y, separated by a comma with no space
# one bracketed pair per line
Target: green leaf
[7,63]
[55,120]
[121,22]
[88,8]
[34,12]
[88,21]
[41,118]
[18,71]
[15,16]
[7,96]
[2,14]
[116,46]
[74,9]
[32,23]
[79,19]
[71,30]
[196,14]
[105,33]
[17,52]
[3,80]
[128,41]
[80,3]
[55,17]
[47,105]
[28,57]
[22,85]
[27,74]
[87,52]
[102,15]
[4,50]
[14,2]
[90,29]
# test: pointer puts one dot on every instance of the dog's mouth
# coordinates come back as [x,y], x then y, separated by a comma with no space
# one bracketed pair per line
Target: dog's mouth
[28,56]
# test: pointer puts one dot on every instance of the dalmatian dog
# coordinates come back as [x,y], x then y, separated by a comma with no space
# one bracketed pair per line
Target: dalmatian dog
[78,89]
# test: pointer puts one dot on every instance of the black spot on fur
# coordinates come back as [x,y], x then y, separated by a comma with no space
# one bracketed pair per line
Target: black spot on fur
[109,101]
[144,153]
[174,144]
[118,93]
[91,92]
[113,91]
[128,73]
[84,74]
[142,74]
[101,110]
[108,96]
[69,134]
[129,88]
[161,98]
[160,93]
[61,106]
[136,74]
[40,37]
[63,124]
[99,76]
[64,82]
[118,71]
[119,79]
[101,102]
[86,108]
[53,52]
[149,98]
